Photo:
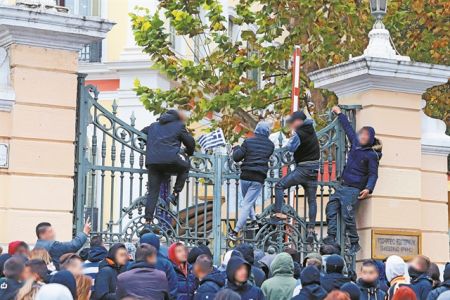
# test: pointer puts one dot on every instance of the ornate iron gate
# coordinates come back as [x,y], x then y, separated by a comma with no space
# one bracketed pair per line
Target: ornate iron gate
[110,186]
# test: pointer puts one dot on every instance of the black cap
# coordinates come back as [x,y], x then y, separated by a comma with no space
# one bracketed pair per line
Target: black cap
[298,115]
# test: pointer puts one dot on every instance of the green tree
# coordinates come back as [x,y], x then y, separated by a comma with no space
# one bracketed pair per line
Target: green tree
[222,75]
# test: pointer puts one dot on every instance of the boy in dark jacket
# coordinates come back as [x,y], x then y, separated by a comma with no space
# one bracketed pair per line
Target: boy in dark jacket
[164,157]
[443,287]
[254,153]
[210,280]
[311,289]
[238,272]
[420,282]
[109,269]
[333,279]
[358,180]
[142,280]
[14,271]
[368,283]
[247,252]
[187,283]
[97,253]
[305,146]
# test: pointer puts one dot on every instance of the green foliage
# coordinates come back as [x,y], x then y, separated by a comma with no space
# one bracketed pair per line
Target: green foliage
[328,32]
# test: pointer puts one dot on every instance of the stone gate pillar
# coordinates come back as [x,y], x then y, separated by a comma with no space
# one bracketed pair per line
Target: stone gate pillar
[38,85]
[409,196]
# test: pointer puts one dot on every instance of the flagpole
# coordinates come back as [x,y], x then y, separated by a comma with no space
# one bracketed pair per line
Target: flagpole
[295,103]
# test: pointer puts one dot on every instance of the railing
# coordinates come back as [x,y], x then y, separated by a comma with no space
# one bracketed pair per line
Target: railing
[111,186]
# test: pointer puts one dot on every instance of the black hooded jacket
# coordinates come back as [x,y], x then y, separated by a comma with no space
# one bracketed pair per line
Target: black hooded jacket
[311,289]
[248,253]
[333,278]
[209,286]
[370,290]
[309,149]
[245,290]
[164,139]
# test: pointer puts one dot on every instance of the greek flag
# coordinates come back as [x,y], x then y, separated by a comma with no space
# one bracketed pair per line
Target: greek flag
[212,140]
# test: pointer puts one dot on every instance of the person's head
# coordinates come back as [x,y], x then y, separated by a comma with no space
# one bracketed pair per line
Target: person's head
[54,291]
[293,253]
[44,231]
[29,290]
[282,265]
[84,254]
[366,136]
[203,266]
[404,293]
[297,270]
[178,253]
[419,264]
[247,251]
[96,241]
[19,248]
[312,256]
[314,262]
[328,249]
[66,279]
[72,263]
[435,274]
[193,254]
[117,255]
[446,274]
[151,239]
[14,268]
[84,285]
[395,267]
[335,264]
[296,119]
[352,290]
[238,270]
[369,271]
[262,128]
[227,294]
[146,253]
[36,269]
[182,115]
[310,275]
[337,295]
[42,254]
[131,250]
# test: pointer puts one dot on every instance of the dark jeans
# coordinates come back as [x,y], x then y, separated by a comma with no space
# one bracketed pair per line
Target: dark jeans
[344,200]
[306,176]
[156,175]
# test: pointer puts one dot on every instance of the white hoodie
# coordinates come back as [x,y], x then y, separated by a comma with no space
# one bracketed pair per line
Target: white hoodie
[395,267]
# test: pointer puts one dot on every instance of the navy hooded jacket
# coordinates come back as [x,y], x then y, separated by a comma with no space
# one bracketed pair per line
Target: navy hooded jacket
[247,252]
[361,170]
[333,279]
[245,290]
[163,263]
[255,153]
[209,286]
[95,256]
[9,288]
[370,290]
[422,285]
[311,289]
[66,279]
[164,139]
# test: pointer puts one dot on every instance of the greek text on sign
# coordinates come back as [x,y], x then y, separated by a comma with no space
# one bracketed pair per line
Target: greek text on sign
[406,244]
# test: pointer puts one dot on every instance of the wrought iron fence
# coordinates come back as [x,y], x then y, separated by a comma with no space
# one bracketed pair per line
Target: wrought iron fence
[111,180]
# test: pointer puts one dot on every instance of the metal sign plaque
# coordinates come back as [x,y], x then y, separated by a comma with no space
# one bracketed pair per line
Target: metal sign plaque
[4,155]
[406,244]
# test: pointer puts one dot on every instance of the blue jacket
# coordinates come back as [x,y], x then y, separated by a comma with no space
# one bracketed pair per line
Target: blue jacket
[57,249]
[370,291]
[90,267]
[361,170]
[311,289]
[333,281]
[210,286]
[246,290]
[106,280]
[255,153]
[164,139]
[9,288]
[422,286]
[162,263]
[443,287]
[186,284]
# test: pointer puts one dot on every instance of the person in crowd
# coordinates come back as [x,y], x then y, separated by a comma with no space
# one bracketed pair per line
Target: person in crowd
[297,273]
[109,269]
[369,283]
[420,282]
[282,283]
[227,294]
[358,180]
[352,290]
[311,289]
[396,271]
[97,253]
[143,280]
[226,259]
[405,293]
[84,285]
[435,274]
[313,256]
[42,254]
[162,263]
[326,250]
[19,248]
[54,291]
[248,253]
[84,254]
[194,253]
[254,153]
[36,270]
[29,290]
[14,275]
[238,273]
[265,263]
[186,280]
[337,295]
[293,253]
[72,263]
[442,287]
[334,278]
[210,280]
[67,279]
[305,146]
[382,280]
[164,156]
[46,239]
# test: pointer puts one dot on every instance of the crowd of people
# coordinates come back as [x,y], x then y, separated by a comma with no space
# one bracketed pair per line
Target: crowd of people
[151,269]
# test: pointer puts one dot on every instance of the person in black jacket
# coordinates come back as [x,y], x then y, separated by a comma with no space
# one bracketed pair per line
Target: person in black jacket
[248,253]
[420,282]
[238,272]
[305,146]
[14,274]
[368,283]
[109,269]
[443,287]
[311,289]
[254,153]
[210,279]
[164,156]
[333,279]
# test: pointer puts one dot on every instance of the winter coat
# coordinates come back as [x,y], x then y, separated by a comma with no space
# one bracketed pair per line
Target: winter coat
[209,286]
[66,279]
[422,285]
[255,153]
[305,144]
[187,284]
[57,249]
[333,279]
[144,282]
[95,256]
[361,170]
[162,263]
[443,287]
[382,280]
[164,139]
[311,289]
[282,284]
[9,288]
[370,291]
[248,253]
[106,280]
[245,290]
